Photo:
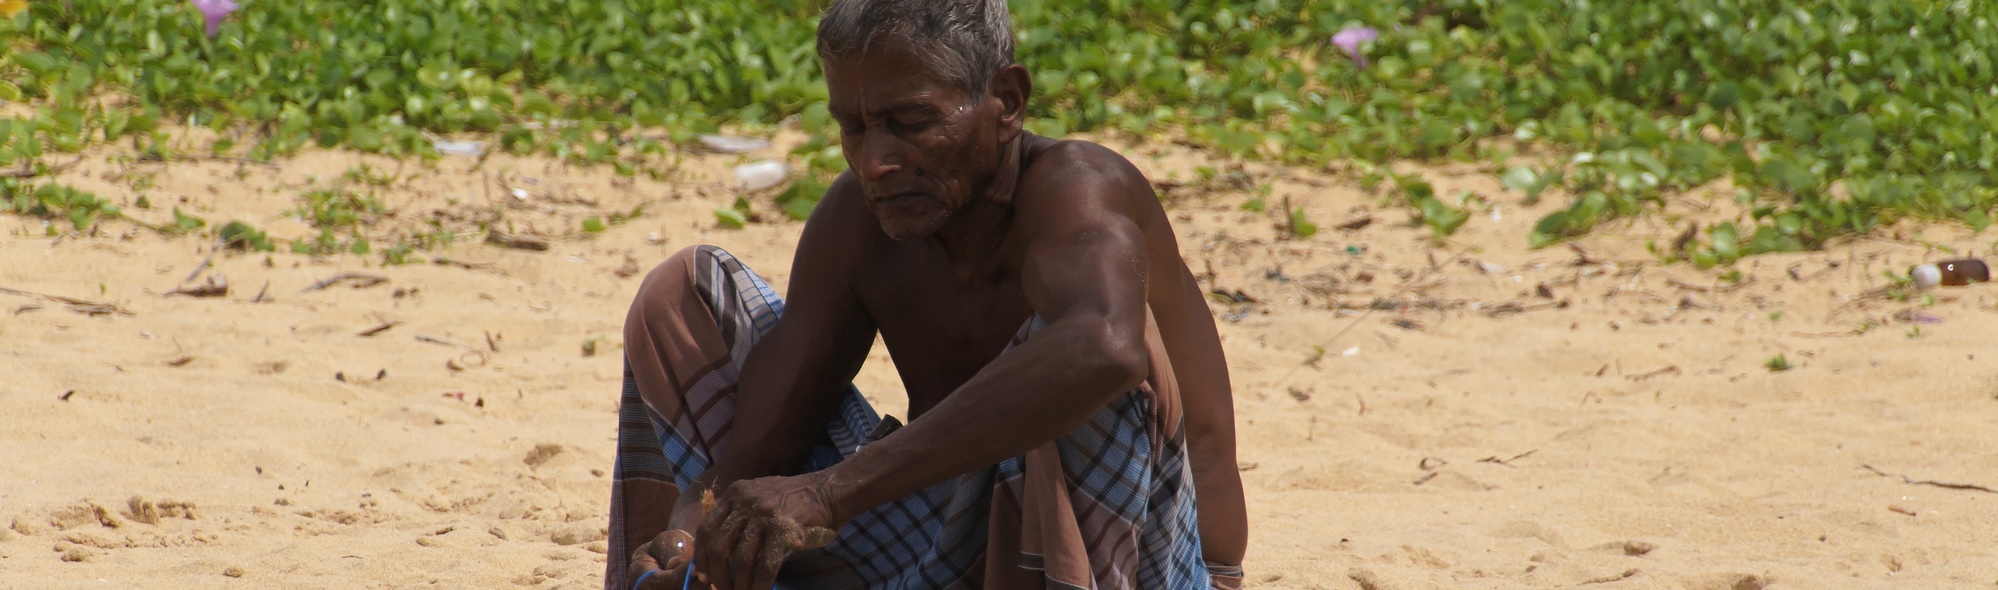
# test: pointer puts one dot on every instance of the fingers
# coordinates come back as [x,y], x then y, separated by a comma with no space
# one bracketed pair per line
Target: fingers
[718,535]
[642,560]
[673,578]
[742,563]
[770,558]
[742,543]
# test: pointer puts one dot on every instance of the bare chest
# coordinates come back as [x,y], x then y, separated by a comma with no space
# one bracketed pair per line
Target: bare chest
[940,330]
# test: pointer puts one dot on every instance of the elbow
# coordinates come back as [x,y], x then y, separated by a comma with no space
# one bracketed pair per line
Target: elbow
[1123,360]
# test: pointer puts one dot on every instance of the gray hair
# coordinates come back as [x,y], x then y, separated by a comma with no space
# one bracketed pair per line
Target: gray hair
[964,41]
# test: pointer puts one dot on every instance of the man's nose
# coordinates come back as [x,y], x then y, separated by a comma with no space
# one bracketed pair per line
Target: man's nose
[880,154]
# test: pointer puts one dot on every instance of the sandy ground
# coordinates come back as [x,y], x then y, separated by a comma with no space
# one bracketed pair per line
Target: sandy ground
[1472,414]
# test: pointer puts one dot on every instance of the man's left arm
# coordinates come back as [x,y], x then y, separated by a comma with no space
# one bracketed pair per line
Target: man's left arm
[1084,274]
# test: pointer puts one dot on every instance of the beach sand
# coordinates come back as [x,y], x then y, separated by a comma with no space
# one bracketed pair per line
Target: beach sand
[1471,414]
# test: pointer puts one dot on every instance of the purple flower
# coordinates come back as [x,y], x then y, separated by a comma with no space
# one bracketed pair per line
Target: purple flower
[1350,39]
[214,11]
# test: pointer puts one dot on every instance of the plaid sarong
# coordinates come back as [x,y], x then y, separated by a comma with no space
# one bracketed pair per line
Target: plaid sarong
[1108,506]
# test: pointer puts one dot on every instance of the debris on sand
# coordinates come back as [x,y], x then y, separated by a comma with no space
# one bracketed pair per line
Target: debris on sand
[517,241]
[761,174]
[451,147]
[216,286]
[733,144]
[357,280]
[81,306]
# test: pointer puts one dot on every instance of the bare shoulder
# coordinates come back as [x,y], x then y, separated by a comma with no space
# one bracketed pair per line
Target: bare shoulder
[1070,177]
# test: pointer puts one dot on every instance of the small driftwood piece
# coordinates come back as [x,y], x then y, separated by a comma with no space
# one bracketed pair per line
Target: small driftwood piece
[216,286]
[517,241]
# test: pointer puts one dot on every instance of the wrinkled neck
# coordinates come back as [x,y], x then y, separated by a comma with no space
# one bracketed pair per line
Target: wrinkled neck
[971,240]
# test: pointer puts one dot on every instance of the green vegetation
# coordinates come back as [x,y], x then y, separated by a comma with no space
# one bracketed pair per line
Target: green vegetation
[51,201]
[338,208]
[1830,116]
[333,211]
[183,223]
[404,248]
[242,236]
[1441,218]
[733,216]
[1299,227]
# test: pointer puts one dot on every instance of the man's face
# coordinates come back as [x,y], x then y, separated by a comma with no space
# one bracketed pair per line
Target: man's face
[921,148]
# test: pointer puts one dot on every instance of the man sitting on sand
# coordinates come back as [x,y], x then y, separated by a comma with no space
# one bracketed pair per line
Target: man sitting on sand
[1068,397]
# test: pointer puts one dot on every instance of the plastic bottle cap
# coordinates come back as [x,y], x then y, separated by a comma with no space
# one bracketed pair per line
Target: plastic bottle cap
[1926,276]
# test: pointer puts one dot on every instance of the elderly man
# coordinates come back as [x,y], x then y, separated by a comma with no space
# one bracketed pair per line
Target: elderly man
[1068,397]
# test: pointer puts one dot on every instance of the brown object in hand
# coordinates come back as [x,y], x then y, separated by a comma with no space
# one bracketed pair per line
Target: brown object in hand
[1957,273]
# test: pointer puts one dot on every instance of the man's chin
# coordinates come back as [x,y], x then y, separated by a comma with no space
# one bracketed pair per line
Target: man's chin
[901,227]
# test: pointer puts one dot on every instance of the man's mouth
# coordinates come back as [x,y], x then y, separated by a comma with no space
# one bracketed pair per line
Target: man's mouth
[896,198]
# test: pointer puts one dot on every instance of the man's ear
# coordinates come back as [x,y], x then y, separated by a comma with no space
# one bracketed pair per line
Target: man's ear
[1012,86]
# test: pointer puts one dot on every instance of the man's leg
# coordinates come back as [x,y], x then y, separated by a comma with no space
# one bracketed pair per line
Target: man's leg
[1109,505]
[692,323]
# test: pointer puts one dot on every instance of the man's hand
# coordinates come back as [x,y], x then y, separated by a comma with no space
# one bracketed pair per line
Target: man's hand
[756,523]
[670,551]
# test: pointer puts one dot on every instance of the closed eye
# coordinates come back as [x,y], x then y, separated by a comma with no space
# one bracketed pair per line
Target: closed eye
[903,126]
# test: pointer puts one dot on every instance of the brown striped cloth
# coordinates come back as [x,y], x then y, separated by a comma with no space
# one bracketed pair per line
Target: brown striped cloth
[1108,506]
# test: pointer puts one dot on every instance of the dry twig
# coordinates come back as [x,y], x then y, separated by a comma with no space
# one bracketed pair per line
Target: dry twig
[204,264]
[358,280]
[442,261]
[1929,482]
[30,172]
[1673,370]
[384,327]
[1508,460]
[78,305]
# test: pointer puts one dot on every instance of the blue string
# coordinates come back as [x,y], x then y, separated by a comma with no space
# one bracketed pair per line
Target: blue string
[685,582]
[641,579]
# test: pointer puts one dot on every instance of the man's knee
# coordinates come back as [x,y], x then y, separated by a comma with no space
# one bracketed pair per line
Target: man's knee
[672,276]
[668,285]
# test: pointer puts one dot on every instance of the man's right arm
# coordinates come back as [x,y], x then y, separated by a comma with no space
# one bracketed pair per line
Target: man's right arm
[791,382]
